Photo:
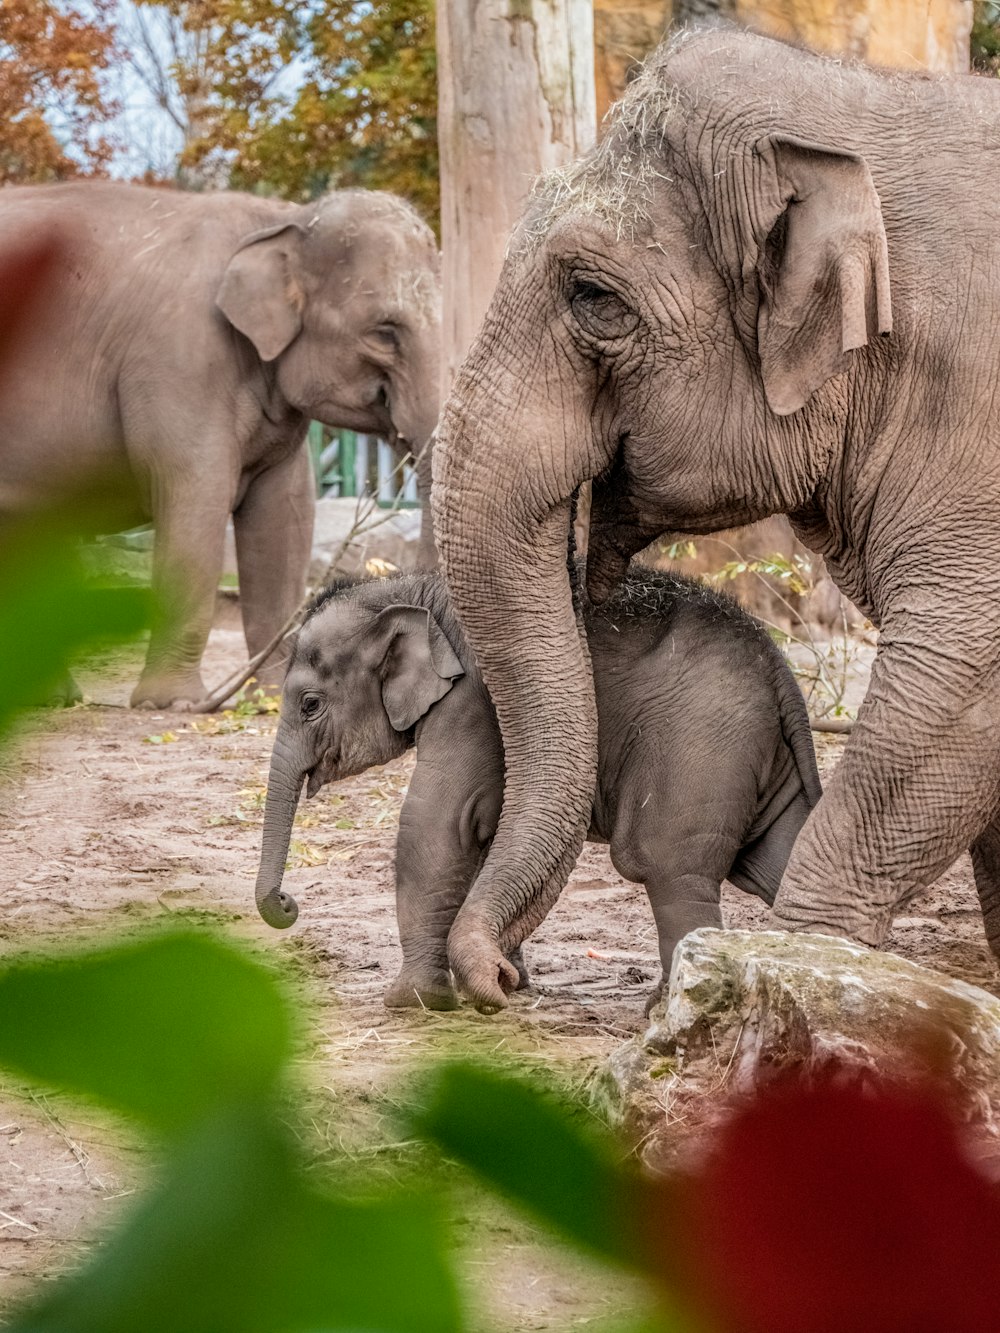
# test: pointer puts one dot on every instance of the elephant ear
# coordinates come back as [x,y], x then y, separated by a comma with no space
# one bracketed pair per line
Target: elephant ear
[261,292]
[822,267]
[419,666]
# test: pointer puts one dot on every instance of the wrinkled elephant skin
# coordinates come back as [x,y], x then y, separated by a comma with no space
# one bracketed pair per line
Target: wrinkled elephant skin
[771,288]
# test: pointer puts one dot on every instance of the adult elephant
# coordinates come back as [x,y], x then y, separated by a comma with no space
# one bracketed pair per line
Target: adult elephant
[191,337]
[773,287]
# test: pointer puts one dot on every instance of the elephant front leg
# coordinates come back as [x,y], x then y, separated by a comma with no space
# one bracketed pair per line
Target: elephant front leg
[274,531]
[437,858]
[916,787]
[187,562]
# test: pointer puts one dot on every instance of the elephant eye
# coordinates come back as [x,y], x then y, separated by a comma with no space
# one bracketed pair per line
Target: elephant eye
[599,311]
[310,705]
[385,336]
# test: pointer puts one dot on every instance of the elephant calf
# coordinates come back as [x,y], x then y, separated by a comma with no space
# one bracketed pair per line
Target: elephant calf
[706,767]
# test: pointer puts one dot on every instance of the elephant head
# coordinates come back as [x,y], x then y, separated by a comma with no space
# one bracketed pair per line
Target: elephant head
[361,677]
[343,302]
[684,316]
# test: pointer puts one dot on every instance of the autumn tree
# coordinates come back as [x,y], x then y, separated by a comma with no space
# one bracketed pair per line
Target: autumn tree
[54,109]
[295,96]
[212,67]
[365,112]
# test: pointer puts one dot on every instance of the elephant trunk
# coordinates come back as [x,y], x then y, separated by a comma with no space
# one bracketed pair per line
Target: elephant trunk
[284,785]
[502,520]
[416,406]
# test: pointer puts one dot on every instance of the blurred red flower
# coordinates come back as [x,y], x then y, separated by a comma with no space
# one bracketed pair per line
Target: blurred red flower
[835,1209]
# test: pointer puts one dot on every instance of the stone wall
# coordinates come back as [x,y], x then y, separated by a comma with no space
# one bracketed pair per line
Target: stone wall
[910,34]
[625,31]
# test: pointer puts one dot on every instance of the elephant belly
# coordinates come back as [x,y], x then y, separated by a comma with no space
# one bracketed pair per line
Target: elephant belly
[47,452]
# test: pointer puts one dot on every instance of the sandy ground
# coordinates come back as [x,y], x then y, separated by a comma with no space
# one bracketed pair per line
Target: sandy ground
[112,819]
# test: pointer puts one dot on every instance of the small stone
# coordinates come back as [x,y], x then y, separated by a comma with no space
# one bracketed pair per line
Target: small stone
[744,1007]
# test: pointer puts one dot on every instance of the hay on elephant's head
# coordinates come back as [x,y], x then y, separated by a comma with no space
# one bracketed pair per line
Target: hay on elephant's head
[615,182]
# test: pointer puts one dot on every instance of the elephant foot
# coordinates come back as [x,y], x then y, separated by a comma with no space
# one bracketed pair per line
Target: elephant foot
[178,693]
[413,991]
[64,694]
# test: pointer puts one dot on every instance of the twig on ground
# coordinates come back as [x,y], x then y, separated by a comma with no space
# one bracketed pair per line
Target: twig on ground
[17,1222]
[80,1154]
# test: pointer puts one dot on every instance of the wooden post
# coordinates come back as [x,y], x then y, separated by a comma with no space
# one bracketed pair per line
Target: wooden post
[515,98]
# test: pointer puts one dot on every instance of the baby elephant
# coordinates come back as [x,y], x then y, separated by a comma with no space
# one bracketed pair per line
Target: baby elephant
[706,770]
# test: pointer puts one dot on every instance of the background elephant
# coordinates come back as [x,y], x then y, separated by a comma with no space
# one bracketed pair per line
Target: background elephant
[706,772]
[191,337]
[771,288]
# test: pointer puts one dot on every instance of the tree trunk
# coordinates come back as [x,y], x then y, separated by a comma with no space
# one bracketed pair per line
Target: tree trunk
[515,98]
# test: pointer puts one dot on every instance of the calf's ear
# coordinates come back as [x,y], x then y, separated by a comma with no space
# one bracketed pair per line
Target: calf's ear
[822,266]
[419,665]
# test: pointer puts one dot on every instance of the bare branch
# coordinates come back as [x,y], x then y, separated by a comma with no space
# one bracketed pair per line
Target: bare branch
[154,76]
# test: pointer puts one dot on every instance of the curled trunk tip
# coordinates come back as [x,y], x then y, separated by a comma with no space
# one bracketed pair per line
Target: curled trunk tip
[279,909]
[284,786]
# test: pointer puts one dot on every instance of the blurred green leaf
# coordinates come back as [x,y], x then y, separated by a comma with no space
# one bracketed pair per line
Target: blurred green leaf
[166,1030]
[49,608]
[526,1145]
[235,1241]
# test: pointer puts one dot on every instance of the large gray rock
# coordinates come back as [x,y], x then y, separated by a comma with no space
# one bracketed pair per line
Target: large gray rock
[744,1006]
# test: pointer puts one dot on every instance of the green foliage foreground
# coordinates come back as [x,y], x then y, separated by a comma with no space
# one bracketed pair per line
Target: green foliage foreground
[191,1037]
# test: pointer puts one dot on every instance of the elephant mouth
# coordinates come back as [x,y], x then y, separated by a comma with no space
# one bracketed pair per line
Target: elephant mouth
[322,773]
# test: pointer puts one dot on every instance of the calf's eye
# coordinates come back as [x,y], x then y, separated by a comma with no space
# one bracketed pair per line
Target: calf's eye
[310,705]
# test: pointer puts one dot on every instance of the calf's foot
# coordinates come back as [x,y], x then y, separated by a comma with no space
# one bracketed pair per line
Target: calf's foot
[655,996]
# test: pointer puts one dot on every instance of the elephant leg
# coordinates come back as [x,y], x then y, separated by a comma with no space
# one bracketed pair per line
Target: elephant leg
[916,787]
[516,960]
[65,693]
[437,858]
[274,531]
[681,903]
[986,867]
[667,847]
[190,515]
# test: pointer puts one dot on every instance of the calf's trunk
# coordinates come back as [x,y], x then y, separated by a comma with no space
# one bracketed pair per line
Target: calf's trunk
[284,785]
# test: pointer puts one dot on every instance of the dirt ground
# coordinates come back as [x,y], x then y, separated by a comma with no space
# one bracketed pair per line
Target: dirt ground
[112,819]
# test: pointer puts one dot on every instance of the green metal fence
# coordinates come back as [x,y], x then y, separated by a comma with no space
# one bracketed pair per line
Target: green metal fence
[349,464]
